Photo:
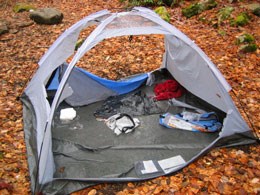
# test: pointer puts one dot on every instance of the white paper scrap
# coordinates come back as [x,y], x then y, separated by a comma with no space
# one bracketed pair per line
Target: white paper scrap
[149,167]
[67,114]
[170,163]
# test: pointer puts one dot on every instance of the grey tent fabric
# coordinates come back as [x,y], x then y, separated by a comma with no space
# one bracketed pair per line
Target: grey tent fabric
[179,63]
[184,60]
[79,82]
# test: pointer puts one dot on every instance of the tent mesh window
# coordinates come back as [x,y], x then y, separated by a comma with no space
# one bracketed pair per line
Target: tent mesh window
[130,21]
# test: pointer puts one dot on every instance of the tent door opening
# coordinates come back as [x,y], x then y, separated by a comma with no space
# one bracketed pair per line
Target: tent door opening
[86,148]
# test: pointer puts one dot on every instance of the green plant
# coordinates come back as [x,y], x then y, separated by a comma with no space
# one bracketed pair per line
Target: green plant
[247,42]
[257,11]
[242,19]
[248,48]
[192,10]
[245,38]
[143,2]
[224,14]
[197,8]
[79,43]
[172,3]
[168,2]
[163,13]
[208,4]
[21,7]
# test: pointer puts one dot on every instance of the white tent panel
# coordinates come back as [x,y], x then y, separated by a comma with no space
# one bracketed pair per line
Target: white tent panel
[174,31]
[191,70]
[56,55]
[37,95]
[233,123]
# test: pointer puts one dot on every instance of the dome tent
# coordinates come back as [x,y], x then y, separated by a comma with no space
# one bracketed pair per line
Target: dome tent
[105,157]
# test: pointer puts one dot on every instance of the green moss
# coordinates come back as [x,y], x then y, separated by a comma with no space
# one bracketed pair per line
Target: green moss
[232,22]
[192,10]
[197,8]
[208,4]
[168,2]
[21,7]
[143,2]
[248,48]
[245,38]
[242,19]
[163,13]
[224,14]
[257,11]
[248,43]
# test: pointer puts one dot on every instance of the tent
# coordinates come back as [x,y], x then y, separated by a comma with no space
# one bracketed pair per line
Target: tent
[67,156]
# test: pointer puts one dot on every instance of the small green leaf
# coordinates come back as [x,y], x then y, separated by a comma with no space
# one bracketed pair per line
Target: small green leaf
[79,43]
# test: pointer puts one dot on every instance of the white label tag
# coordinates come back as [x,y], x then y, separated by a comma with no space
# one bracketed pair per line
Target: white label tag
[171,163]
[180,124]
[149,167]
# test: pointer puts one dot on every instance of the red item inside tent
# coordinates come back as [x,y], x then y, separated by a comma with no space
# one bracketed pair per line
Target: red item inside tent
[168,89]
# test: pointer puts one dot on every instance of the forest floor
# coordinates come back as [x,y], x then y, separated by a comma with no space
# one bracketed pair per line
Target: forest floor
[221,171]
